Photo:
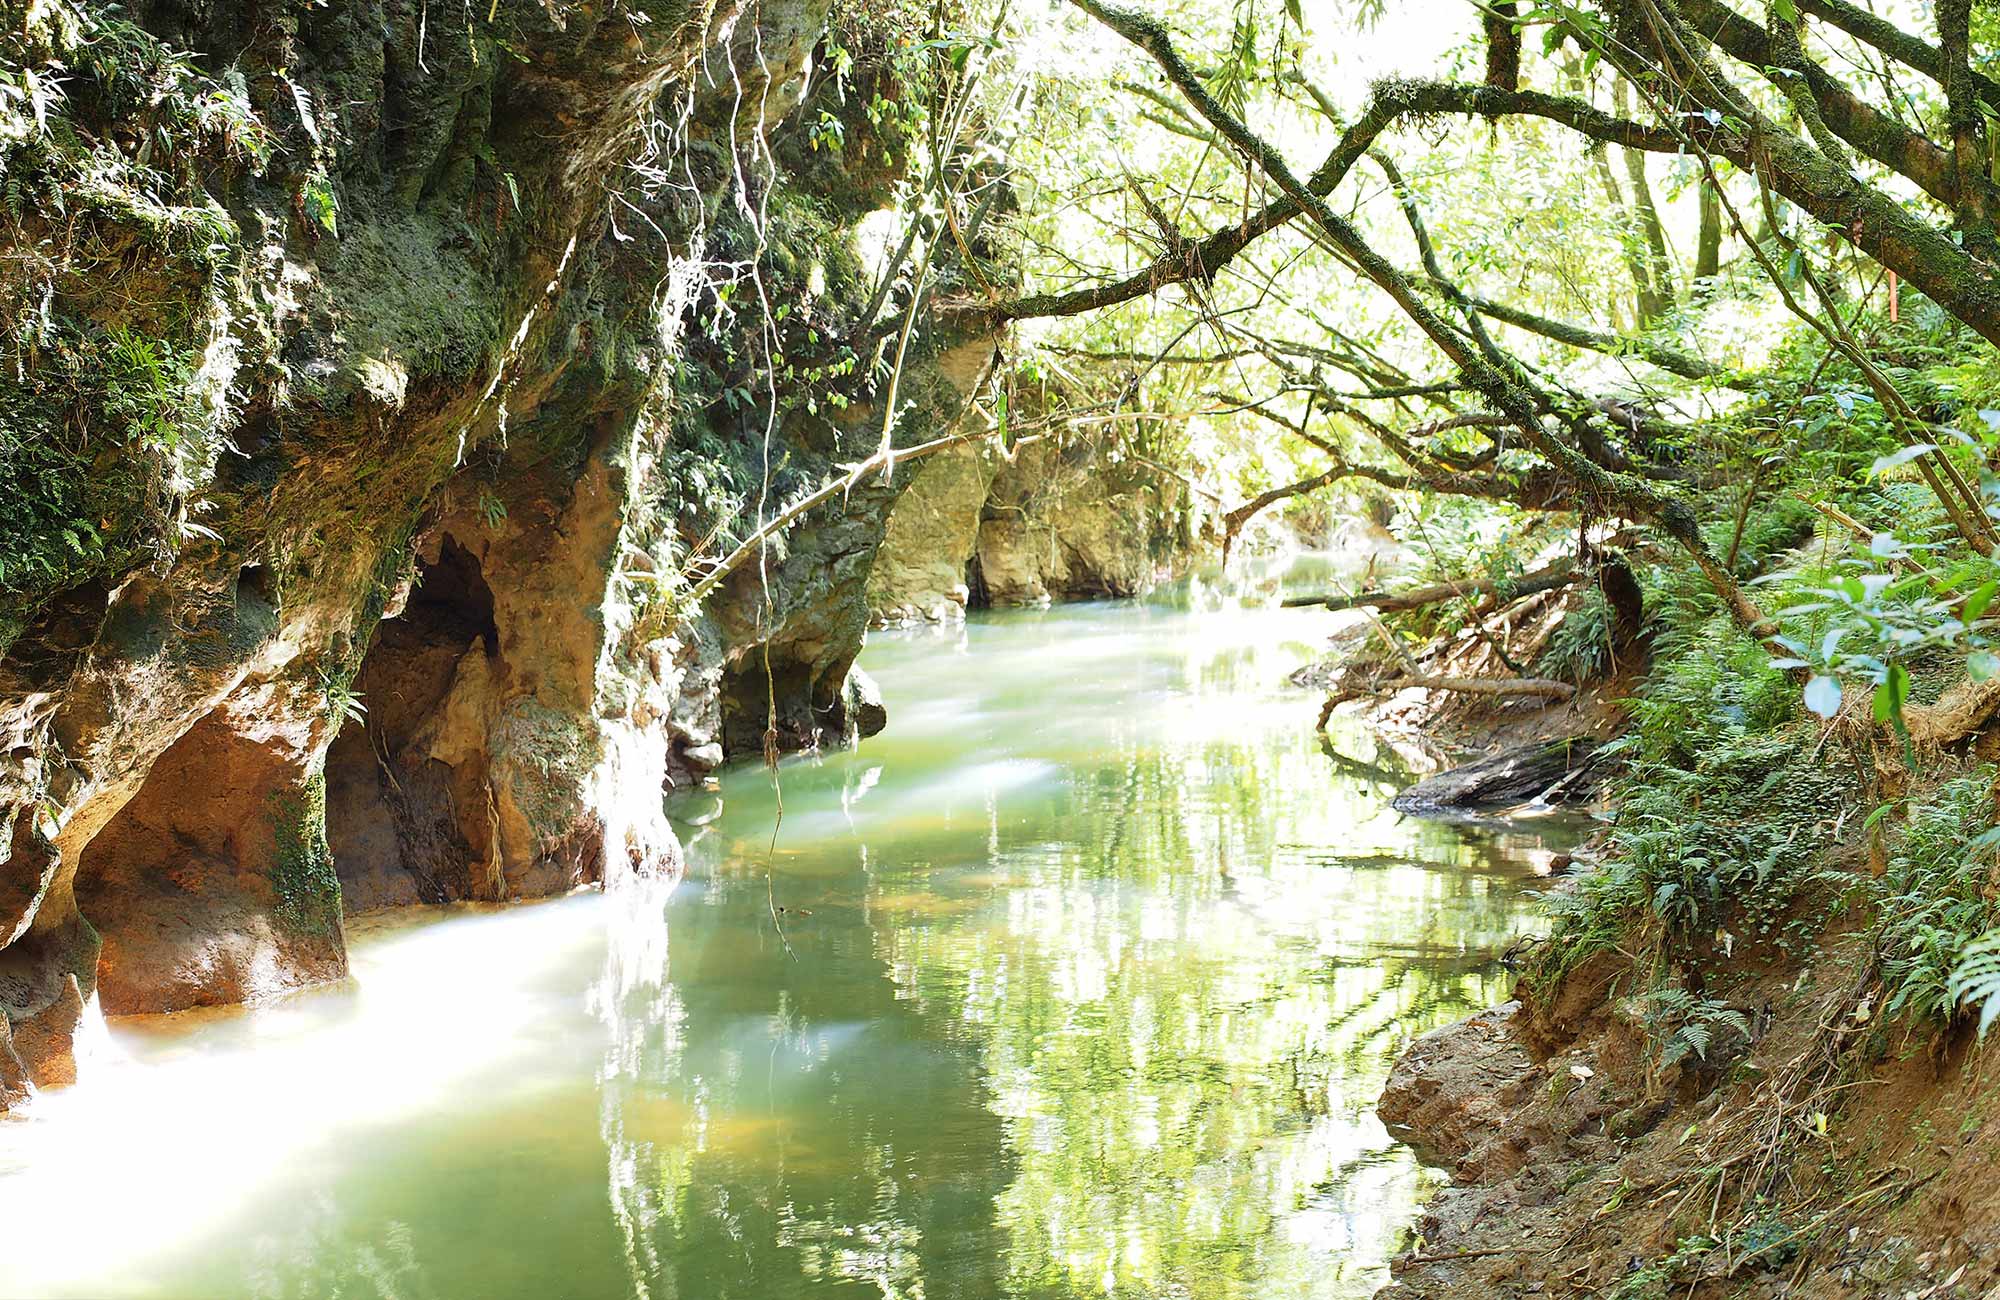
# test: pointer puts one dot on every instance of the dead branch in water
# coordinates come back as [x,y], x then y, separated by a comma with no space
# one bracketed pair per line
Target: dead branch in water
[1530,687]
[1559,574]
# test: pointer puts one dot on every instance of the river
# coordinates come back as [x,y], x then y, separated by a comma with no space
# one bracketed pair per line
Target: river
[1080,980]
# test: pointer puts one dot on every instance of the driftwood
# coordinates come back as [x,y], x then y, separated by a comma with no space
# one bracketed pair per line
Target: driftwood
[1559,574]
[1557,768]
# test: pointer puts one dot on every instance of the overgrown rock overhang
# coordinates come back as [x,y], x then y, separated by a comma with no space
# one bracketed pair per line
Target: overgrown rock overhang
[375,624]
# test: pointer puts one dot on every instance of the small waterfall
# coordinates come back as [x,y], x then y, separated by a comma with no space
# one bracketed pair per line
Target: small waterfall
[93,1045]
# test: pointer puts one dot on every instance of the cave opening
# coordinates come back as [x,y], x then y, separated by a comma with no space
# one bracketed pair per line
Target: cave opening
[976,594]
[404,825]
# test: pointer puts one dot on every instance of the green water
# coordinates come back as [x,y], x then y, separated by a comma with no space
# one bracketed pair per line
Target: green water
[1080,980]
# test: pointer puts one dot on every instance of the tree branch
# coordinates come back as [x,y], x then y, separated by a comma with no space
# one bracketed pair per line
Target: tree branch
[1559,574]
[1506,389]
[1846,114]
[1612,345]
[1905,48]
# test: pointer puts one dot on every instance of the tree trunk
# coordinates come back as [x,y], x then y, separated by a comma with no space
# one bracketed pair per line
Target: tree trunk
[1708,247]
[1655,278]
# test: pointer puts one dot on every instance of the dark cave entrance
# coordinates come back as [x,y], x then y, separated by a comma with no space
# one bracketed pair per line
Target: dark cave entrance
[404,826]
[976,594]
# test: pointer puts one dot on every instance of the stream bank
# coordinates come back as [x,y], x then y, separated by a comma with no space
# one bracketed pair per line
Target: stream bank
[1734,1063]
[363,461]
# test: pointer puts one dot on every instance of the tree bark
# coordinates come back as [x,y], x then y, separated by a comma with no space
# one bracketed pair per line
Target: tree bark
[1655,269]
[1968,131]
[1503,45]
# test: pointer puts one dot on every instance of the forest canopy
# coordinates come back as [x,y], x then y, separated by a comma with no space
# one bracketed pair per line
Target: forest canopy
[1724,276]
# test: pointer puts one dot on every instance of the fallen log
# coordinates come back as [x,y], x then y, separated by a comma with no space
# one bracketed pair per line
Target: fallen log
[1541,687]
[1959,712]
[1559,574]
[1512,776]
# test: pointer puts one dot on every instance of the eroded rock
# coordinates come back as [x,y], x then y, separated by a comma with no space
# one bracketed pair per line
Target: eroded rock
[1052,522]
[919,572]
[1452,1092]
[1063,524]
[410,638]
[213,883]
[15,1082]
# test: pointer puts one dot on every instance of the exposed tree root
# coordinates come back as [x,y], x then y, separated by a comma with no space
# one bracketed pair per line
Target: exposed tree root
[1964,709]
[1530,687]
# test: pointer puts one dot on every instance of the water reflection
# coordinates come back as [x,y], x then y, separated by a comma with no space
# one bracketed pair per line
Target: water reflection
[1124,905]
[1081,980]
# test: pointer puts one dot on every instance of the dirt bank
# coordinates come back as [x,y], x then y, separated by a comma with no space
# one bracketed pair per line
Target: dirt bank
[1822,1148]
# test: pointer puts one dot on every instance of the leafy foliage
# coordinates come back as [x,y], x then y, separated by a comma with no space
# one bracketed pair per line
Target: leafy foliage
[1685,1027]
[110,315]
[1708,833]
[1579,647]
[1932,900]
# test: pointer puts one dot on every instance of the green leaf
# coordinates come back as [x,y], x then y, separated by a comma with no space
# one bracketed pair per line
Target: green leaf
[1982,664]
[1980,597]
[1884,464]
[1823,695]
[1892,694]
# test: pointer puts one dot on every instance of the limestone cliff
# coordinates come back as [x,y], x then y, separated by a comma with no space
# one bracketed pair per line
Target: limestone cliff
[373,375]
[1056,520]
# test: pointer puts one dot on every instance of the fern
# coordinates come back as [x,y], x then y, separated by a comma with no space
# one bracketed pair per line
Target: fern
[1976,979]
[1579,647]
[1932,904]
[1683,1026]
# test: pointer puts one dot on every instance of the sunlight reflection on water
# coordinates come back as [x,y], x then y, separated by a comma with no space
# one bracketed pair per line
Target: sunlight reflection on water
[1080,980]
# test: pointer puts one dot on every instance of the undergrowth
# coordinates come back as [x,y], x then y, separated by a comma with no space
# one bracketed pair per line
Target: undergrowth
[1934,897]
[1730,796]
[1713,834]
[113,148]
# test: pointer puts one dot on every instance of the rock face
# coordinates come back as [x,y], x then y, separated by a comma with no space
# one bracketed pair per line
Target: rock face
[932,536]
[1064,523]
[369,428]
[1055,522]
